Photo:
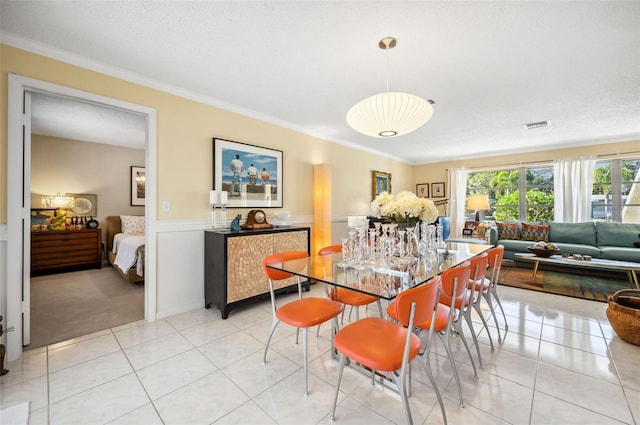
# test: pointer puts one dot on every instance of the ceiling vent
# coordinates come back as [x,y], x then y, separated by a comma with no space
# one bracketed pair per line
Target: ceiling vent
[539,124]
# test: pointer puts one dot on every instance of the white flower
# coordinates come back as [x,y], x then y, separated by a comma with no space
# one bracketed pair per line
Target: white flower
[404,207]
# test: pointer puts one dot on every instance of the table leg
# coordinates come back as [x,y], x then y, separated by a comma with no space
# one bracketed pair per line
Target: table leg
[633,279]
[535,268]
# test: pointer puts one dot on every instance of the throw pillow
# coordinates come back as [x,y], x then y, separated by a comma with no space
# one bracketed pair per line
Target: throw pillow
[508,231]
[535,232]
[132,224]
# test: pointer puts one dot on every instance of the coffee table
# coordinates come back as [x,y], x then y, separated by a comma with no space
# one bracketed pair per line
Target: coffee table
[594,263]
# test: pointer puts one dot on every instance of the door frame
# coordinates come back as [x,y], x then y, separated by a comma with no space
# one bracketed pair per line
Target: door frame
[19,208]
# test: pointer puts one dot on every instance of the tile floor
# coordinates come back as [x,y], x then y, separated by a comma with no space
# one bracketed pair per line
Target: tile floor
[561,362]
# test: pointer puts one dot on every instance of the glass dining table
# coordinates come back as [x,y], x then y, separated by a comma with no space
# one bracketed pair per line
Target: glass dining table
[383,279]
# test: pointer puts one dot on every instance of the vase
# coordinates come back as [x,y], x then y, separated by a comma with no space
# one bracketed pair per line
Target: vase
[445,222]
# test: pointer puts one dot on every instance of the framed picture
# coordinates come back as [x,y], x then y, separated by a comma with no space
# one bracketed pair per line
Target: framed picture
[84,205]
[251,175]
[137,186]
[380,182]
[422,190]
[437,190]
[40,217]
[467,232]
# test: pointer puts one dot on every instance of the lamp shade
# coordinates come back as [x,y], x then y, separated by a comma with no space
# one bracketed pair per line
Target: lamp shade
[478,203]
[391,114]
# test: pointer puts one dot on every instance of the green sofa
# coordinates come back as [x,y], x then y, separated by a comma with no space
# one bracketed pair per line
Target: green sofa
[613,241]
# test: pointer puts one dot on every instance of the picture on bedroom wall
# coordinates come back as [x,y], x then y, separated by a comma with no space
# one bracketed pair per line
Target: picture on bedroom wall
[251,175]
[137,186]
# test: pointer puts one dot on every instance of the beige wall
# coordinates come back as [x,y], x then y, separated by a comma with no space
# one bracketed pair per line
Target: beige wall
[184,150]
[437,172]
[184,154]
[71,166]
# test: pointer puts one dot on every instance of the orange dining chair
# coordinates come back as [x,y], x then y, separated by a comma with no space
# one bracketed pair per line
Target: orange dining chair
[495,263]
[301,313]
[346,296]
[455,295]
[435,324]
[477,286]
[385,346]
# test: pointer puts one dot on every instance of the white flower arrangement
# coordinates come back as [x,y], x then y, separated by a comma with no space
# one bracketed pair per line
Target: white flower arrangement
[405,207]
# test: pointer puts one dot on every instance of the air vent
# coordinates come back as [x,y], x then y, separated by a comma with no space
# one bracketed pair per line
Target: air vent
[539,124]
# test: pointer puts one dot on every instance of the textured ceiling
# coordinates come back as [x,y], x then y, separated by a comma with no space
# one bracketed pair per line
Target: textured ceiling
[489,66]
[61,117]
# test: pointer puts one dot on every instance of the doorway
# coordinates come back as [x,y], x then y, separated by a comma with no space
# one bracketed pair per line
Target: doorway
[19,204]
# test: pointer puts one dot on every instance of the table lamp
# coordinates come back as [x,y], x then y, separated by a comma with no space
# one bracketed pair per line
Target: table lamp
[478,203]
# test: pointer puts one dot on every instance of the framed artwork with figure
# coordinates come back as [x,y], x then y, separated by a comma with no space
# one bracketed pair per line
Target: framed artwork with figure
[437,190]
[251,175]
[380,182]
[422,190]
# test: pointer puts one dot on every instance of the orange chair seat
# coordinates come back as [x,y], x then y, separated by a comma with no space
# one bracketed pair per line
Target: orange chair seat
[442,316]
[349,297]
[307,312]
[482,285]
[376,343]
[446,300]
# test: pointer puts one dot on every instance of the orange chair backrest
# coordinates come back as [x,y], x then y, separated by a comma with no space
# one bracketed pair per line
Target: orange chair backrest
[331,249]
[279,258]
[479,265]
[458,274]
[495,256]
[425,296]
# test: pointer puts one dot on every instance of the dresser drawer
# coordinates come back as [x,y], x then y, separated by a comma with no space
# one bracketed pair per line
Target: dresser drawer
[59,251]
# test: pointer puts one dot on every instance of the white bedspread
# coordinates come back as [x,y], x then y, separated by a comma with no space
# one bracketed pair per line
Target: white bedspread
[129,250]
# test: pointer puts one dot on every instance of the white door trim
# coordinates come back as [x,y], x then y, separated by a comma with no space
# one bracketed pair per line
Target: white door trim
[19,209]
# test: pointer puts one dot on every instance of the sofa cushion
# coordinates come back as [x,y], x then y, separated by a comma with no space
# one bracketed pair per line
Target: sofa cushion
[570,248]
[620,253]
[535,232]
[513,245]
[617,234]
[573,233]
[508,231]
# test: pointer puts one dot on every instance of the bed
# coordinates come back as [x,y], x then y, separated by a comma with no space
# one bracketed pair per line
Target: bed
[125,246]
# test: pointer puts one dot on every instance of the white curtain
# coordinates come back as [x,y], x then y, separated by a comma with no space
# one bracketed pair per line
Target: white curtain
[573,187]
[458,193]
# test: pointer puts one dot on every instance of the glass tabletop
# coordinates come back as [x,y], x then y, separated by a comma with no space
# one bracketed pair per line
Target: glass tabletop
[381,279]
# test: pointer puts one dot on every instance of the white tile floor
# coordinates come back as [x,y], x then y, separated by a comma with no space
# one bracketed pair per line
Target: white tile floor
[560,363]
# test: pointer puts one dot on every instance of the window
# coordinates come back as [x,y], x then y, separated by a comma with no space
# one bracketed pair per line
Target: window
[524,193]
[616,192]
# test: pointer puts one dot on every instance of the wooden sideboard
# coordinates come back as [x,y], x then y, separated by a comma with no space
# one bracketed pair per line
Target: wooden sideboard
[233,263]
[57,251]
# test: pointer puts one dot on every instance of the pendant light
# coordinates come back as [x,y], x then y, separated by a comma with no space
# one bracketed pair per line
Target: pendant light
[389,114]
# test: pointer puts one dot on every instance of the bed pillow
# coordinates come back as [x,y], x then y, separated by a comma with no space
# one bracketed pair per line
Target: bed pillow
[508,230]
[535,232]
[132,224]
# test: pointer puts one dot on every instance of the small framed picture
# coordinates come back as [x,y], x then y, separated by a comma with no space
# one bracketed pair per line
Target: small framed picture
[137,186]
[437,190]
[467,232]
[380,182]
[422,190]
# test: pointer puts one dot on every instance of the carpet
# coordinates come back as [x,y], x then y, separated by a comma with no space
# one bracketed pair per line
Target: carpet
[69,305]
[17,414]
[566,281]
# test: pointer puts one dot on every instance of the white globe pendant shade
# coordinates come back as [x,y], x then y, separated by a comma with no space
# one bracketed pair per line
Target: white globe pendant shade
[391,114]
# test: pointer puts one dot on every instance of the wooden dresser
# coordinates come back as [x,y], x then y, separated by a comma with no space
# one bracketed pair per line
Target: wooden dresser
[56,251]
[233,263]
